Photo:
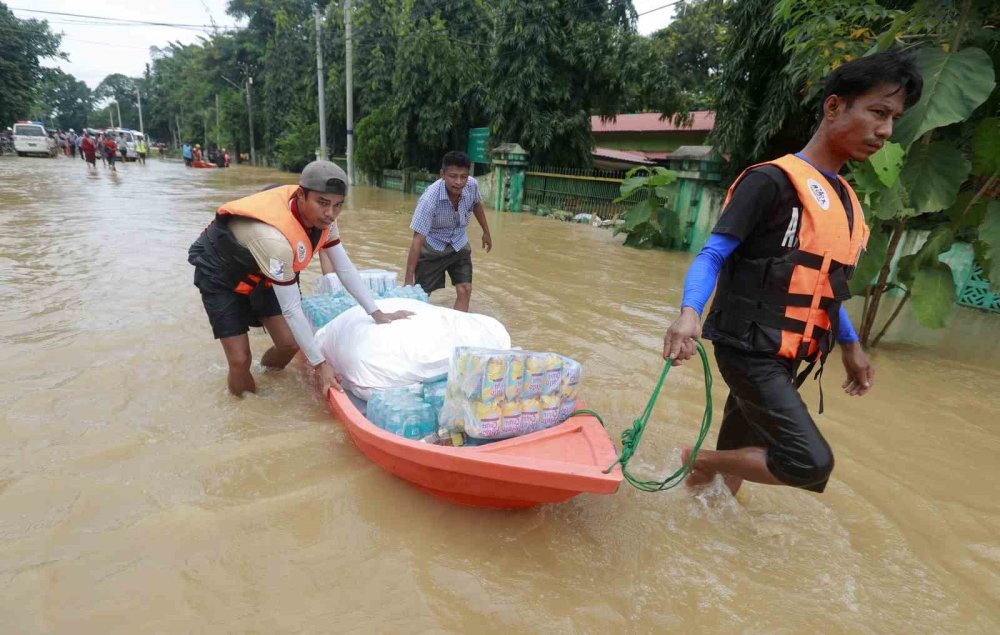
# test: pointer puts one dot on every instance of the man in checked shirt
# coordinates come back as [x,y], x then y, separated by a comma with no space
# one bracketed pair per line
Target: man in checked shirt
[440,243]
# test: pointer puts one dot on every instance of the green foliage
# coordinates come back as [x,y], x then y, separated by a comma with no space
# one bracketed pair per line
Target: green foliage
[63,100]
[23,44]
[377,148]
[933,295]
[298,145]
[554,63]
[650,222]
[759,112]
[435,83]
[986,148]
[988,251]
[872,260]
[933,173]
[955,84]
[688,54]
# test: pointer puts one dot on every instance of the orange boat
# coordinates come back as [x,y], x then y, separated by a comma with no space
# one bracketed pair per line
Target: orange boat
[203,164]
[549,466]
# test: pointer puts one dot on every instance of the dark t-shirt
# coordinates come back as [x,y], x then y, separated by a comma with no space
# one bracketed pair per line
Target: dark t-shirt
[761,213]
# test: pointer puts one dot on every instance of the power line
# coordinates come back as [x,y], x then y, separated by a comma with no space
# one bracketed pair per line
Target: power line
[124,20]
[669,4]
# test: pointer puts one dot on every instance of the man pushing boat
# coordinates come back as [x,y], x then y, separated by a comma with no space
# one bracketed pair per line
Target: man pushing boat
[787,243]
[247,264]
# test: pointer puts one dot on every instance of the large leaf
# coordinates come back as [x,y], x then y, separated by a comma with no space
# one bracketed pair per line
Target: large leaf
[662,178]
[887,163]
[989,234]
[890,203]
[871,260]
[865,180]
[939,241]
[933,295]
[630,185]
[962,216]
[955,84]
[639,214]
[986,147]
[932,174]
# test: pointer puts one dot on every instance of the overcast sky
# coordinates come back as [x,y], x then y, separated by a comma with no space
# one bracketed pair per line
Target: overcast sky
[96,51]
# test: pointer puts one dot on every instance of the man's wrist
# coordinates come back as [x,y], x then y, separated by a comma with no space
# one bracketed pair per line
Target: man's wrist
[690,310]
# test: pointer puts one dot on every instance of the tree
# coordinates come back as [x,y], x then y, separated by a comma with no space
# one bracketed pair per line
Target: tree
[555,63]
[759,112]
[690,49]
[23,43]
[63,100]
[437,81]
[121,89]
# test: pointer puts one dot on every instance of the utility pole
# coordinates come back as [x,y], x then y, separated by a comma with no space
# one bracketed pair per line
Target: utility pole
[218,126]
[350,92]
[119,109]
[253,152]
[111,116]
[180,137]
[142,128]
[319,81]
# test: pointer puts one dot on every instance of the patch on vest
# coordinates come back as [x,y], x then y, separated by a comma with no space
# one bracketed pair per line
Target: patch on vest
[300,250]
[819,193]
[276,269]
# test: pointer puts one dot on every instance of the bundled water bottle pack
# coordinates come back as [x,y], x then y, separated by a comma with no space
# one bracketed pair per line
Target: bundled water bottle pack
[413,413]
[324,306]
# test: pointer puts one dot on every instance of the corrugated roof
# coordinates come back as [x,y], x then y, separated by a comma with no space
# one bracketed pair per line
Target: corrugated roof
[630,156]
[701,121]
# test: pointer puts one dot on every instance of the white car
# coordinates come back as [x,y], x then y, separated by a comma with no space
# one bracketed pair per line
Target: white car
[31,137]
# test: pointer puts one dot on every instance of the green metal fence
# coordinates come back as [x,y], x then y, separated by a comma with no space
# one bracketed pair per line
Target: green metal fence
[976,293]
[392,180]
[590,191]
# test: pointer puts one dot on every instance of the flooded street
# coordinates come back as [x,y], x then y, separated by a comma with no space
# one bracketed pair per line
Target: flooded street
[137,495]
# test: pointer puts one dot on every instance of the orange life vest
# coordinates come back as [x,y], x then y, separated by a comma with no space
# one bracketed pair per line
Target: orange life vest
[788,304]
[272,207]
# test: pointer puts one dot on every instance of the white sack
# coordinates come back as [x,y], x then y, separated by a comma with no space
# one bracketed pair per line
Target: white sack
[371,356]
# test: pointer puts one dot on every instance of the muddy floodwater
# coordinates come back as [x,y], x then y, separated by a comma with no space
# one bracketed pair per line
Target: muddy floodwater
[138,496]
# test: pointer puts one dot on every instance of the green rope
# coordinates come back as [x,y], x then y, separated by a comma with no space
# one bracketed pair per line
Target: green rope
[632,437]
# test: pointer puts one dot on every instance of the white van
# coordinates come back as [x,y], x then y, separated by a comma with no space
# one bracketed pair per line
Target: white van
[130,153]
[31,137]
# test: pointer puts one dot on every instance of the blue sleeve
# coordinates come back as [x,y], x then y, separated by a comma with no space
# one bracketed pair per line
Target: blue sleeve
[845,331]
[704,271]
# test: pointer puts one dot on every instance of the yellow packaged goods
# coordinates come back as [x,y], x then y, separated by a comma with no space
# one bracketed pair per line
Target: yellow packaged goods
[494,394]
[553,374]
[534,375]
[486,423]
[495,379]
[531,415]
[511,425]
[515,378]
[550,410]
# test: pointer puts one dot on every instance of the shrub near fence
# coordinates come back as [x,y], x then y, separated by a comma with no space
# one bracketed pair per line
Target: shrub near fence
[576,191]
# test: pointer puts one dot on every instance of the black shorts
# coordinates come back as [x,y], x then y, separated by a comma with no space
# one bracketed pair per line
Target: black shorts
[232,313]
[433,264]
[187,161]
[764,409]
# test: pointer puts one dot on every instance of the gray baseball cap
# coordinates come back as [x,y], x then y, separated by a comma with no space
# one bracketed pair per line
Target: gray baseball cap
[324,176]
